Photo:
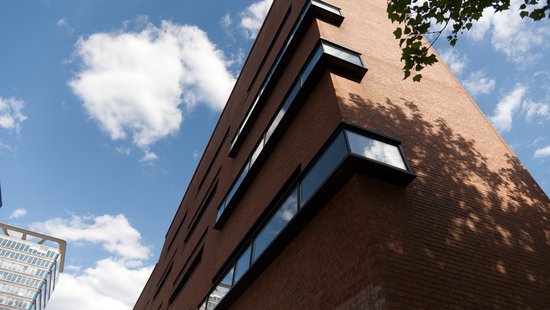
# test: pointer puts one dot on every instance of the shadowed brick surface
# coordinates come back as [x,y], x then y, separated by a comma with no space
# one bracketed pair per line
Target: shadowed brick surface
[472,231]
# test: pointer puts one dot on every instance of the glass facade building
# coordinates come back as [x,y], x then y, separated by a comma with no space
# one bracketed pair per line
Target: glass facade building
[30,264]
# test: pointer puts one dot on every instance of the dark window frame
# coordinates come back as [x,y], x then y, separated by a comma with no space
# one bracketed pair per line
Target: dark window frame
[307,209]
[311,10]
[318,62]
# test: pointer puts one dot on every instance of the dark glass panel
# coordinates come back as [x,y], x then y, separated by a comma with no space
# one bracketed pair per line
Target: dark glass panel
[342,53]
[326,6]
[323,167]
[284,214]
[242,265]
[256,153]
[221,289]
[274,124]
[220,210]
[237,183]
[310,65]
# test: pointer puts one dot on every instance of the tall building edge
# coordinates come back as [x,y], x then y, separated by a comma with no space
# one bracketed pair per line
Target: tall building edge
[30,264]
[330,182]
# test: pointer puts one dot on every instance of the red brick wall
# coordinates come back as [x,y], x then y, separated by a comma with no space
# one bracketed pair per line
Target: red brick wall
[471,231]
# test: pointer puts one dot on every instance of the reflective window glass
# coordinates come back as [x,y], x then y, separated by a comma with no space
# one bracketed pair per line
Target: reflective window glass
[242,265]
[256,153]
[203,306]
[274,123]
[279,220]
[237,183]
[341,53]
[326,6]
[291,96]
[222,288]
[220,211]
[323,167]
[228,277]
[375,150]
[311,64]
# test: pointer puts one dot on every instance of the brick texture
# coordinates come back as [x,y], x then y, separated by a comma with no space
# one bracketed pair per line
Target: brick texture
[472,231]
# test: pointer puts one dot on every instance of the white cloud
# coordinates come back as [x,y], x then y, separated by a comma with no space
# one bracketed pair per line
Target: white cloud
[517,38]
[114,233]
[110,284]
[18,213]
[542,152]
[477,32]
[455,61]
[196,155]
[7,148]
[506,107]
[72,268]
[148,156]
[538,110]
[537,141]
[133,83]
[113,282]
[11,113]
[63,23]
[126,151]
[478,83]
[253,17]
[226,21]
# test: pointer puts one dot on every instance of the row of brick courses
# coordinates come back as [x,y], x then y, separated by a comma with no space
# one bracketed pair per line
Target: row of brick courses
[470,232]
[190,202]
[484,243]
[333,257]
[217,250]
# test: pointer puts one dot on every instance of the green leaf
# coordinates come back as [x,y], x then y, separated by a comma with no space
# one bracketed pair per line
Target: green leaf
[537,14]
[434,18]
[397,33]
[523,14]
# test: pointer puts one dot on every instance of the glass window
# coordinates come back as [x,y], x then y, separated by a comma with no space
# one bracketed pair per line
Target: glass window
[203,306]
[222,288]
[291,96]
[228,277]
[274,124]
[342,53]
[242,265]
[279,220]
[326,6]
[310,65]
[256,152]
[375,150]
[237,183]
[323,167]
[220,210]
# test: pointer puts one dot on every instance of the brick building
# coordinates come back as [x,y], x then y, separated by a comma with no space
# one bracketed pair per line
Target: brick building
[325,186]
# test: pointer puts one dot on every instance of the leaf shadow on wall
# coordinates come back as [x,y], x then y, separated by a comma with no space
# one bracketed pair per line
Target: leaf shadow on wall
[466,232]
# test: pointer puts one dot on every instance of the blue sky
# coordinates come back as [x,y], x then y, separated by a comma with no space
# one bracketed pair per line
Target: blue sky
[106,106]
